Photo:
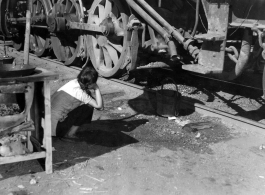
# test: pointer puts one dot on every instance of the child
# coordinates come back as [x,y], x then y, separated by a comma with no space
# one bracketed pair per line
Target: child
[71,97]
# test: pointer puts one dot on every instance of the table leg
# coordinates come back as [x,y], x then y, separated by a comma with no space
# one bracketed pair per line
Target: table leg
[48,127]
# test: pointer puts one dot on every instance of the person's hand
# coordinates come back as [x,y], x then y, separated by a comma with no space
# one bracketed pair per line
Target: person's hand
[93,86]
[96,87]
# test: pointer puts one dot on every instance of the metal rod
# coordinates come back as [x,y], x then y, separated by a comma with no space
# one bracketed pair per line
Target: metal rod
[39,26]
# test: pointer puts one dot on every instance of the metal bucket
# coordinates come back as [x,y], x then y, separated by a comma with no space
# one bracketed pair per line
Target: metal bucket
[168,100]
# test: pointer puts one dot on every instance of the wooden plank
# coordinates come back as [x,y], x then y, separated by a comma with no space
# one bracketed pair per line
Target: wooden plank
[36,108]
[38,148]
[40,75]
[48,127]
[36,143]
[25,126]
[29,144]
[16,88]
[18,158]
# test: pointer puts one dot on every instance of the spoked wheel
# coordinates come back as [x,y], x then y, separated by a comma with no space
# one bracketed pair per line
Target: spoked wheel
[108,52]
[66,44]
[18,41]
[9,30]
[39,37]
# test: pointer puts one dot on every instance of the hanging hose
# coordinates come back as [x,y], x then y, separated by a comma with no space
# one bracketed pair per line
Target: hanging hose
[242,59]
[196,18]
[234,56]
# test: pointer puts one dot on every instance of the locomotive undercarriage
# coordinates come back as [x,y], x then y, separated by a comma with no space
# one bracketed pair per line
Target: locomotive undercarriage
[210,37]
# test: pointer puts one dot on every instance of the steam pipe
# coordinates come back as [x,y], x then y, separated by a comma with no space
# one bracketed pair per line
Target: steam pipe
[242,60]
[149,20]
[155,25]
[160,19]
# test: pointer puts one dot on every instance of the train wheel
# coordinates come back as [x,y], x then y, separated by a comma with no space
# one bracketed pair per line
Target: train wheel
[39,37]
[67,44]
[18,41]
[109,52]
[13,32]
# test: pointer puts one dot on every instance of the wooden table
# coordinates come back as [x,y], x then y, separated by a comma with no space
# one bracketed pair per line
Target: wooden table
[40,109]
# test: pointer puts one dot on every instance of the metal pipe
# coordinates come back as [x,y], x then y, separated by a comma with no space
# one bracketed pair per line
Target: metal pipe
[159,3]
[173,50]
[149,20]
[172,31]
[242,60]
[157,27]
[196,18]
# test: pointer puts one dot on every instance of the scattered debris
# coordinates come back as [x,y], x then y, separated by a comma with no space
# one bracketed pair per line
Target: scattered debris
[261,147]
[77,183]
[33,181]
[170,118]
[21,186]
[182,123]
[194,127]
[88,189]
[198,135]
[143,116]
[100,180]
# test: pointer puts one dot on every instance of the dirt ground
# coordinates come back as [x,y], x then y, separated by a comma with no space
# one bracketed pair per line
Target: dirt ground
[129,150]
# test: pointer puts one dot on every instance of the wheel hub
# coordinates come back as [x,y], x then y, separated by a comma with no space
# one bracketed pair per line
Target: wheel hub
[102,41]
[108,23]
[56,23]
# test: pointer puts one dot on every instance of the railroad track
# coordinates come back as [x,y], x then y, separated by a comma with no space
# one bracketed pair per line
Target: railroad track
[228,118]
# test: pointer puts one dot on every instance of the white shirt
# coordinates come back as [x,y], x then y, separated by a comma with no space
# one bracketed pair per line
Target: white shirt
[73,89]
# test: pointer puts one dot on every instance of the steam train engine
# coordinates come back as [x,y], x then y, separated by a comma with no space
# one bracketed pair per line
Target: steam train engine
[209,37]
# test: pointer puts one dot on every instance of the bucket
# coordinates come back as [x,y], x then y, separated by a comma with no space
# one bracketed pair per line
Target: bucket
[168,99]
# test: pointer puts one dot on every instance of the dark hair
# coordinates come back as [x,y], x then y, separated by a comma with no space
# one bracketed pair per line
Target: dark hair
[86,77]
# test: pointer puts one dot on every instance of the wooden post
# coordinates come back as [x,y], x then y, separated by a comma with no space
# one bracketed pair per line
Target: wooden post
[48,127]
[29,118]
[27,34]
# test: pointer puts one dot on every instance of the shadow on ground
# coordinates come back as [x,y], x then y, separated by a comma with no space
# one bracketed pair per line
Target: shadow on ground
[148,103]
[98,138]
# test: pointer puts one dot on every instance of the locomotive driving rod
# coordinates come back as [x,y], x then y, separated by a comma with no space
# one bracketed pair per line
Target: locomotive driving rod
[170,30]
